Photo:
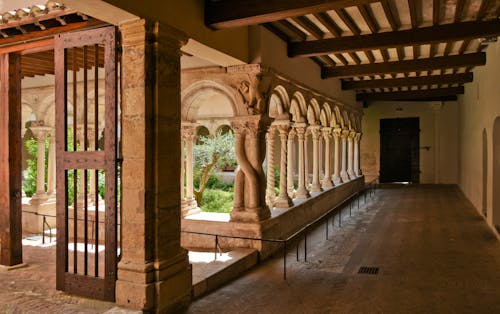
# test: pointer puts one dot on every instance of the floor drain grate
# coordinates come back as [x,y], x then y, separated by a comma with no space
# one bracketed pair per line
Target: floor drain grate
[368,270]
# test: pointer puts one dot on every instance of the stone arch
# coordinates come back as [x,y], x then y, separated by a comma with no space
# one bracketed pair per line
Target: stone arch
[485,174]
[496,173]
[338,116]
[326,115]
[301,103]
[201,130]
[195,95]
[347,121]
[223,129]
[313,112]
[279,102]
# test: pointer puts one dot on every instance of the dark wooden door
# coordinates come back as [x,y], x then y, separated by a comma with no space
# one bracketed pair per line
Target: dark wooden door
[399,150]
[86,153]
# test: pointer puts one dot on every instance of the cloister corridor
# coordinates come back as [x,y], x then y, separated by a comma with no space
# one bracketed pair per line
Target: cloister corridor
[424,266]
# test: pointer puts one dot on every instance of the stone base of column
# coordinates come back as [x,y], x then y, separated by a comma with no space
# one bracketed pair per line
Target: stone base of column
[189,208]
[351,174]
[270,200]
[302,193]
[250,214]
[159,287]
[283,202]
[336,180]
[344,176]
[316,187]
[327,182]
[359,173]
[38,198]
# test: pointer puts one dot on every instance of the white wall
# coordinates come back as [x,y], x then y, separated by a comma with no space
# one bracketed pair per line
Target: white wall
[439,131]
[478,108]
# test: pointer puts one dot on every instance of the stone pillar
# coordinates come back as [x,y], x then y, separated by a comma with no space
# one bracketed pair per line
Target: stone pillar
[357,168]
[154,274]
[316,133]
[320,156]
[343,171]
[40,132]
[301,192]
[283,200]
[250,181]
[289,172]
[350,155]
[190,206]
[270,194]
[337,132]
[327,179]
[51,171]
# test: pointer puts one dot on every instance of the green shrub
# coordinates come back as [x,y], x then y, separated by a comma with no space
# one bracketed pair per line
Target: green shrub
[217,201]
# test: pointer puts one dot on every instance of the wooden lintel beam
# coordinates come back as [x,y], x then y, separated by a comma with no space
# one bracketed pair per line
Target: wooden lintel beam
[49,32]
[423,94]
[471,59]
[410,81]
[419,36]
[229,13]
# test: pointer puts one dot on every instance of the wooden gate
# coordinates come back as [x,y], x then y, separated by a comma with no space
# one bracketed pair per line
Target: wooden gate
[86,141]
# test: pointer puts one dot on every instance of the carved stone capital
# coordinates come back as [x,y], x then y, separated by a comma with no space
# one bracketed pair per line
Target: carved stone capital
[337,132]
[315,131]
[301,129]
[188,131]
[345,133]
[40,132]
[252,126]
[327,132]
[357,138]
[352,134]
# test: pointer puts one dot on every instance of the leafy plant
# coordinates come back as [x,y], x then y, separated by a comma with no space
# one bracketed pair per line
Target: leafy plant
[212,153]
[217,201]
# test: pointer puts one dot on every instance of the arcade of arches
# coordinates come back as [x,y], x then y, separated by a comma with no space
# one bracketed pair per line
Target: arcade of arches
[114,98]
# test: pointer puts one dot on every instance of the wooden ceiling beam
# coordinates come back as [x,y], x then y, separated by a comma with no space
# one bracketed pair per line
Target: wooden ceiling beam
[423,94]
[229,13]
[409,81]
[309,26]
[426,64]
[419,36]
[327,21]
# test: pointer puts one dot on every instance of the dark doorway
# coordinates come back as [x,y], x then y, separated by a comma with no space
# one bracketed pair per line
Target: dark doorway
[399,150]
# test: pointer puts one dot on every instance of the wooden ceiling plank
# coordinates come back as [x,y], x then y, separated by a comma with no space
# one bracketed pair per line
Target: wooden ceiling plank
[413,13]
[327,60]
[409,81]
[277,31]
[355,57]
[406,66]
[463,48]
[341,58]
[390,16]
[327,21]
[365,11]
[370,56]
[344,16]
[459,8]
[419,36]
[481,13]
[309,26]
[287,26]
[414,94]
[229,13]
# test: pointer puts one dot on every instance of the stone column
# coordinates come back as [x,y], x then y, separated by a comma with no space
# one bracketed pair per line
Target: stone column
[250,181]
[306,159]
[154,274]
[320,156]
[302,192]
[190,206]
[40,132]
[327,179]
[51,171]
[350,155]
[357,168]
[337,132]
[343,171]
[316,132]
[283,200]
[270,194]
[289,172]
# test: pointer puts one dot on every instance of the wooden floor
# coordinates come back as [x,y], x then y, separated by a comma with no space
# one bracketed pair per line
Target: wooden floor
[434,252]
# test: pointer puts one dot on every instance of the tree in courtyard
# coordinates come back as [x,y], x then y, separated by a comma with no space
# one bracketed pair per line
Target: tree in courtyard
[212,153]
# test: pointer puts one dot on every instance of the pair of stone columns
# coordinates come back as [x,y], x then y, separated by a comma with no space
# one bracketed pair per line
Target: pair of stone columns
[188,202]
[41,132]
